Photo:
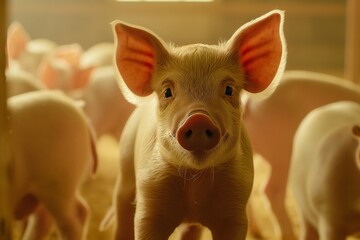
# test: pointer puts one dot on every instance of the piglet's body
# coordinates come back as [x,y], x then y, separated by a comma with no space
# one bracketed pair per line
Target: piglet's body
[185,155]
[325,171]
[19,81]
[272,123]
[105,106]
[52,153]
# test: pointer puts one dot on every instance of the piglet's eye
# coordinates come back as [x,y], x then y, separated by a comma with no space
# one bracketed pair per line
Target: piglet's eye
[228,91]
[168,93]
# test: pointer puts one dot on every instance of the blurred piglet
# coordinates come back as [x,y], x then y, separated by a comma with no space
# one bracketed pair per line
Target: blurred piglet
[61,70]
[26,53]
[105,106]
[325,171]
[68,67]
[99,55]
[90,77]
[185,154]
[52,153]
[272,123]
[19,81]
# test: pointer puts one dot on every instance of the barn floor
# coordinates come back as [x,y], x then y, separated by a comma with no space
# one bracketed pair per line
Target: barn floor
[98,192]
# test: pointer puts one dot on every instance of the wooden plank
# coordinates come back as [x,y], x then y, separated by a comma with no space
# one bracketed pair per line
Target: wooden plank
[214,8]
[352,57]
[5,214]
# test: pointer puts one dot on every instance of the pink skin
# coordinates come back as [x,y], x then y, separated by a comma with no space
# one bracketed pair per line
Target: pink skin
[62,70]
[326,152]
[83,75]
[47,167]
[26,53]
[56,67]
[69,67]
[272,123]
[184,152]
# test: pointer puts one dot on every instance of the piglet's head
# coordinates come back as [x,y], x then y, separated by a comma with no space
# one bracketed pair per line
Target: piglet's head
[197,87]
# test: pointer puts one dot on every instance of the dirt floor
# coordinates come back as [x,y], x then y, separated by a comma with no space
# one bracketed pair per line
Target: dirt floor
[98,192]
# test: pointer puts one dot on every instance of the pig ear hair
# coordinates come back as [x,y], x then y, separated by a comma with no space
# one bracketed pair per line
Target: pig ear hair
[260,49]
[137,52]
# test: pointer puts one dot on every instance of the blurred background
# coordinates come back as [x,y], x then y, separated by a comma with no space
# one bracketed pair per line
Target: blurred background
[315,29]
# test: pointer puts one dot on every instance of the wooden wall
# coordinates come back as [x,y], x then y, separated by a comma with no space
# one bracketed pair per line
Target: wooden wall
[352,61]
[5,219]
[315,30]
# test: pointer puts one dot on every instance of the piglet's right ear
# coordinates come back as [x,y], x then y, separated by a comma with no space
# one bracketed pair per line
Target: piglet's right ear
[137,52]
[261,51]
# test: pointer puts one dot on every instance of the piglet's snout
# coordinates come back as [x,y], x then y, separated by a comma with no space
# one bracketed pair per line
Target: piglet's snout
[198,132]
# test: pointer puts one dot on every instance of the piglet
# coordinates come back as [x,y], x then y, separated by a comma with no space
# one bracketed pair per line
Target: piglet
[184,153]
[19,81]
[25,52]
[105,106]
[98,55]
[52,153]
[61,69]
[324,173]
[272,122]
[69,67]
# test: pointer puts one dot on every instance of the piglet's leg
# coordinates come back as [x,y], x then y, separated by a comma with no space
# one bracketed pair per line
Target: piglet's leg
[254,228]
[154,226]
[39,224]
[125,210]
[330,230]
[157,217]
[191,232]
[308,232]
[126,187]
[276,192]
[70,217]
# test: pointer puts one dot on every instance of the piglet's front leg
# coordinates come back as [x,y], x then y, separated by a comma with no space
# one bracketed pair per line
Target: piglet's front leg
[157,215]
[230,229]
[153,226]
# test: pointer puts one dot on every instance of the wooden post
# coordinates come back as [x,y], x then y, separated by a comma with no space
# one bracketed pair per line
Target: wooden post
[5,213]
[352,57]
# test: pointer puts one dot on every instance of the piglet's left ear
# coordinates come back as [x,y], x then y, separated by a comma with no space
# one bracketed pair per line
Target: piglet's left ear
[260,49]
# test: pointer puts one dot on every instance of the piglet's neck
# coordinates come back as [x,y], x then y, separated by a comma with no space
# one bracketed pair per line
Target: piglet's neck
[198,186]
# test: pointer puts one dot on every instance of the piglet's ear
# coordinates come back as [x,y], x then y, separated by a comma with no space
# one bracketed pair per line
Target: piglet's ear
[137,52]
[17,39]
[260,49]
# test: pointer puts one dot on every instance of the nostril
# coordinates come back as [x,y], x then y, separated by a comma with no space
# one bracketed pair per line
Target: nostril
[209,133]
[188,133]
